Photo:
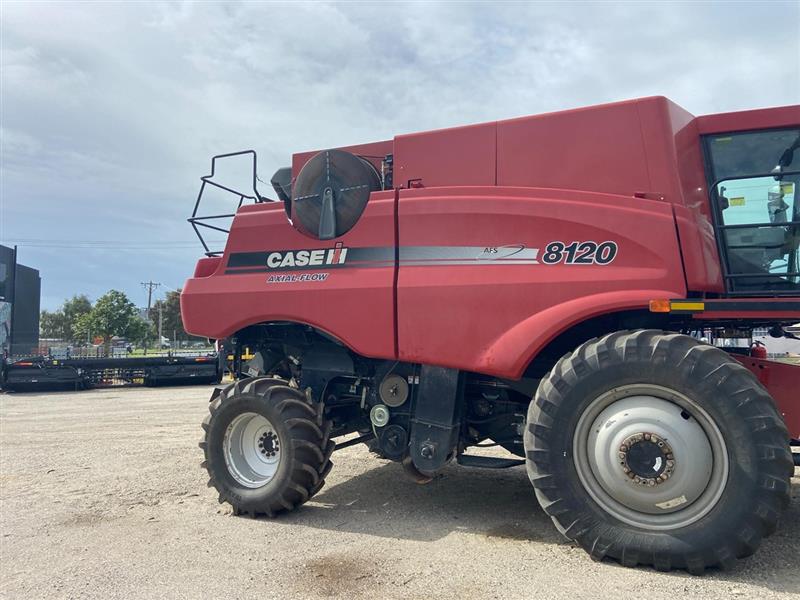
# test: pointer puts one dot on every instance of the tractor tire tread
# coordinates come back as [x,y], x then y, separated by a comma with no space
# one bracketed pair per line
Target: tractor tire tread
[309,438]
[602,537]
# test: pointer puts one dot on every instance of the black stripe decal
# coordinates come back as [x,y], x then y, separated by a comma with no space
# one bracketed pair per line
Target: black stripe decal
[384,256]
[765,306]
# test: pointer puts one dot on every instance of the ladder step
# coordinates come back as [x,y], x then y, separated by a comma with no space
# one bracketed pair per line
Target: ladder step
[488,462]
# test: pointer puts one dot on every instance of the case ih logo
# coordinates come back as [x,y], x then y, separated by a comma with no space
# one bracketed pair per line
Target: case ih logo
[301,259]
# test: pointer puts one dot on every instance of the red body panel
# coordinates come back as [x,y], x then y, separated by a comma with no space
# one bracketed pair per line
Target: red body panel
[699,248]
[760,118]
[493,318]
[355,305]
[781,381]
[428,158]
[597,149]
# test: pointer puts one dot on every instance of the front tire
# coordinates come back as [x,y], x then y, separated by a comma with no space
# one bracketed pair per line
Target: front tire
[267,448]
[653,448]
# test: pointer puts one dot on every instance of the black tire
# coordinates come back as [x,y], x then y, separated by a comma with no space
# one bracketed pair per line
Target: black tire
[303,434]
[756,439]
[374,447]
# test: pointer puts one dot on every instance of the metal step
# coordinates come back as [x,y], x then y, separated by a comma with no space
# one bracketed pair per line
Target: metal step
[488,462]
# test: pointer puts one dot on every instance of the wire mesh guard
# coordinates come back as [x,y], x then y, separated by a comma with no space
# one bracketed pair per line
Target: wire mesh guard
[201,223]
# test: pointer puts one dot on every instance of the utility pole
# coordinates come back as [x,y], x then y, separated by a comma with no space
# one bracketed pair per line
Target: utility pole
[150,286]
[160,321]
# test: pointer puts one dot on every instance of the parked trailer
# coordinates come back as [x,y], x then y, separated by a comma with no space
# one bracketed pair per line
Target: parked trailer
[39,373]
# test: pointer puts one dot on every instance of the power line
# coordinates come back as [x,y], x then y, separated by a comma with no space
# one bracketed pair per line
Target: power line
[153,247]
[103,245]
[88,241]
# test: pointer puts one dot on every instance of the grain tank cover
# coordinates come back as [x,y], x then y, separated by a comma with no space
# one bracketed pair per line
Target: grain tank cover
[330,193]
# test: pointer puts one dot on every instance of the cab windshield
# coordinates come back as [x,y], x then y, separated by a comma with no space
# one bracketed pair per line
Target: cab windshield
[755,179]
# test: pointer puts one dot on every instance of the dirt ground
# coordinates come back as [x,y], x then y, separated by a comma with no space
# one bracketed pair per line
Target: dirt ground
[102,496]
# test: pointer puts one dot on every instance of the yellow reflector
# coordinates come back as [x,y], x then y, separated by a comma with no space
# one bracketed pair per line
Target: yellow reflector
[688,305]
[659,306]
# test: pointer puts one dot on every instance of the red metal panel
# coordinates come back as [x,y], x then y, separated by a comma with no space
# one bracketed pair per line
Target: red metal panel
[689,166]
[457,156]
[355,305]
[762,118]
[658,138]
[699,251]
[675,166]
[782,381]
[597,149]
[207,266]
[492,318]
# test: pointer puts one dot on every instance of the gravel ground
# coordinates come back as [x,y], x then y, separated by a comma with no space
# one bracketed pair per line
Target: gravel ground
[102,496]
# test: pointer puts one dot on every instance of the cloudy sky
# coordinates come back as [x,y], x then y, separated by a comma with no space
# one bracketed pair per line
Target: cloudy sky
[111,111]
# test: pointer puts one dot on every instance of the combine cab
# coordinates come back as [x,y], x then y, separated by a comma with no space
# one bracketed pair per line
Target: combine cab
[543,284]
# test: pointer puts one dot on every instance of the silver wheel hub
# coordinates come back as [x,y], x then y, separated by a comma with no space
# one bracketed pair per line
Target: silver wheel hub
[252,450]
[647,459]
[650,456]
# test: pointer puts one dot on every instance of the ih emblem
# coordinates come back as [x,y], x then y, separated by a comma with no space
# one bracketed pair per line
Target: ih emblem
[293,259]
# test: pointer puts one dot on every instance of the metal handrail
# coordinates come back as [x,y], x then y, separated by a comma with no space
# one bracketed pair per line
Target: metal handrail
[198,221]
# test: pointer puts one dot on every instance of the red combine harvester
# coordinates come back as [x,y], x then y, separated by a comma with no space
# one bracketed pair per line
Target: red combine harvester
[418,292]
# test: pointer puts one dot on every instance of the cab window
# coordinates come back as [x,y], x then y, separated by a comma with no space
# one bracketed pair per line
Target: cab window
[755,177]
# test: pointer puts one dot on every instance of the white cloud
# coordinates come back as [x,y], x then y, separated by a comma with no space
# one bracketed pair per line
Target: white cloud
[111,111]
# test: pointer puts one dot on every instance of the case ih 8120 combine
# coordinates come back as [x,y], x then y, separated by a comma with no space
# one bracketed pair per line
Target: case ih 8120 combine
[419,292]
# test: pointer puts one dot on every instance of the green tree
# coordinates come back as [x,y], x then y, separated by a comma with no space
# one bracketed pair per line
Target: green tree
[171,322]
[113,315]
[73,309]
[61,323]
[52,324]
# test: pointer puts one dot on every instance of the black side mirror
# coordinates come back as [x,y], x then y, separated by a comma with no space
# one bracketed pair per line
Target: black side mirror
[786,158]
[722,199]
[788,155]
[282,184]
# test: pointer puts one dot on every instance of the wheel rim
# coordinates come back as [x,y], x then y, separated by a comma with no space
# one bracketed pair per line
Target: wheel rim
[650,456]
[252,450]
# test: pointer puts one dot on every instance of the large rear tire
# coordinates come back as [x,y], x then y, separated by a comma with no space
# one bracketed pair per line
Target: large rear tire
[267,448]
[653,448]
